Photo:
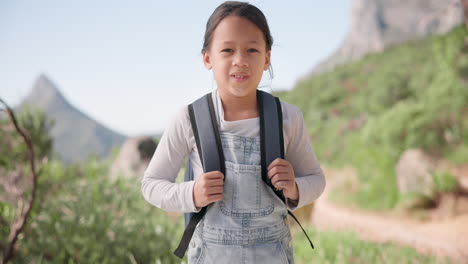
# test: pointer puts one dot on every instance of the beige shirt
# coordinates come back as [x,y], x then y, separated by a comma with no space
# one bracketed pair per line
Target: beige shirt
[158,184]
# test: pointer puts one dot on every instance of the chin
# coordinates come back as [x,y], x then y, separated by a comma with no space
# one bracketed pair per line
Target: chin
[242,92]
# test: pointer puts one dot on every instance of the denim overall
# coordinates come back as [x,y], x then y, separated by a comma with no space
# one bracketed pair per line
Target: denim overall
[249,226]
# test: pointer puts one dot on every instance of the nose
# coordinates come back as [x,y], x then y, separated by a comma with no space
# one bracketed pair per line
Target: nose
[240,60]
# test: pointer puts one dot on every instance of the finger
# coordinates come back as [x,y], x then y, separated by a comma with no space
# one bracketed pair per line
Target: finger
[280,177]
[215,190]
[214,182]
[282,185]
[277,169]
[278,162]
[215,198]
[214,175]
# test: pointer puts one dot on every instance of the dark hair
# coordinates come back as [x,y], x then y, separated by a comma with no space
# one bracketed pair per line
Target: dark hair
[240,9]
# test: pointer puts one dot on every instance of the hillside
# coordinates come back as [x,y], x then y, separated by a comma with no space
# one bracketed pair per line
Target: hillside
[366,113]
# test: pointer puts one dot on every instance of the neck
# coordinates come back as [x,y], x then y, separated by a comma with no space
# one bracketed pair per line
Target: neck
[238,108]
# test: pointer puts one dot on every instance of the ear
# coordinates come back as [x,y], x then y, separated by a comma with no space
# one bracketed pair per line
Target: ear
[267,60]
[207,60]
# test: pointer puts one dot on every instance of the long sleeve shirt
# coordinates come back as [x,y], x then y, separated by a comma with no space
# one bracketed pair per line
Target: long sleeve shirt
[159,186]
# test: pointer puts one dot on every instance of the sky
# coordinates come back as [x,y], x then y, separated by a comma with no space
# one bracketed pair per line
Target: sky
[131,65]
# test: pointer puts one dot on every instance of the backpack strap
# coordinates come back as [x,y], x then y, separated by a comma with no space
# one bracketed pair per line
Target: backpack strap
[272,140]
[208,141]
[271,134]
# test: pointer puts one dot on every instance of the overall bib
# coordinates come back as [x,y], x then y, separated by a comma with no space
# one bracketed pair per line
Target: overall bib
[249,226]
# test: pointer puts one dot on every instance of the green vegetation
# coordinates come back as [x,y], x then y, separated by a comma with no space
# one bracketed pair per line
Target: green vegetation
[346,247]
[85,218]
[81,216]
[366,113]
[12,147]
[444,182]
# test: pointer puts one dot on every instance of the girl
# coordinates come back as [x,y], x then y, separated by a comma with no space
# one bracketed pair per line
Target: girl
[237,48]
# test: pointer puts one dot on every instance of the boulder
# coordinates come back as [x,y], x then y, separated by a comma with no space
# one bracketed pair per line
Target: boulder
[414,173]
[133,158]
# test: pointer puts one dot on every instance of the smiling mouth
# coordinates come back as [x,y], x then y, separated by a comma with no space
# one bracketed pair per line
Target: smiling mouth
[239,77]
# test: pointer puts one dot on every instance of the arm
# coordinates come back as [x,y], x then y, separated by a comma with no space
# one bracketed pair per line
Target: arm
[158,184]
[309,176]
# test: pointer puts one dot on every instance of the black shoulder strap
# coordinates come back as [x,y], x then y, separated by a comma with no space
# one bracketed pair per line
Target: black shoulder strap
[209,148]
[271,140]
[271,134]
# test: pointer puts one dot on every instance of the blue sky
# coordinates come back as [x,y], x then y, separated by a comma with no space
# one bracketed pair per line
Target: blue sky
[132,64]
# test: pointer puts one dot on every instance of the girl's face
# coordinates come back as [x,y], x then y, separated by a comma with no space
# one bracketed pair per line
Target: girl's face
[237,55]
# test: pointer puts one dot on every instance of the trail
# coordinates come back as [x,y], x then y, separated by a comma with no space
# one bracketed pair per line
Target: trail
[442,238]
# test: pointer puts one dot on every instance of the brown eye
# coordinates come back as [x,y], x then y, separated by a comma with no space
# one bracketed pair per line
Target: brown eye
[252,50]
[227,50]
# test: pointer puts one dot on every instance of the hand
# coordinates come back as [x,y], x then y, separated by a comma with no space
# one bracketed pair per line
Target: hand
[281,174]
[208,188]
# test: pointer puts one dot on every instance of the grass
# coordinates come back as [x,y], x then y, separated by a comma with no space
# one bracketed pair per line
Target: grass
[346,247]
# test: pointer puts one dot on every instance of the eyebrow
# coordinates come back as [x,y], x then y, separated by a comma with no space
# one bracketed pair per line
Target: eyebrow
[230,42]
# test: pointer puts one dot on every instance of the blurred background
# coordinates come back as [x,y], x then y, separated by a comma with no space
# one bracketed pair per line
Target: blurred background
[382,84]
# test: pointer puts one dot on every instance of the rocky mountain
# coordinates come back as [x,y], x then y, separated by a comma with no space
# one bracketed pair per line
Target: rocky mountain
[378,24]
[75,134]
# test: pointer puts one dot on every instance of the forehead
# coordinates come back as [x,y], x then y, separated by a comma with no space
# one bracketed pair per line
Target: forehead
[234,29]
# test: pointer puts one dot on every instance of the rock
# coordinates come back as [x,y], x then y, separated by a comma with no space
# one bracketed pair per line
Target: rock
[414,173]
[463,183]
[133,158]
[450,205]
[379,24]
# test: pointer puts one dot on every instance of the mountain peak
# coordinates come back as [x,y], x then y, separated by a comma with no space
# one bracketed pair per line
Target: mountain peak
[45,92]
[43,78]
[88,136]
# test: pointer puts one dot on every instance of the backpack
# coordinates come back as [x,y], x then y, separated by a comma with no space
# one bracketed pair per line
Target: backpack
[205,130]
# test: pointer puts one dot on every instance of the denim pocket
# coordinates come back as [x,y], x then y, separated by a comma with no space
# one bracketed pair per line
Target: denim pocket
[245,193]
[216,253]
[269,253]
[196,251]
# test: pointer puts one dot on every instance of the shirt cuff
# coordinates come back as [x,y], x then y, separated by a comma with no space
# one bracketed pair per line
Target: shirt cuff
[191,200]
[295,204]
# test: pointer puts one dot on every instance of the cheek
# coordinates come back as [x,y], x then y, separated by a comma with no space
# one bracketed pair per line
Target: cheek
[220,72]
[259,72]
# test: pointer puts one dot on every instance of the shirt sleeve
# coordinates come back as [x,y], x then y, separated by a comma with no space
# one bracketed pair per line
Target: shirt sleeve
[299,152]
[158,184]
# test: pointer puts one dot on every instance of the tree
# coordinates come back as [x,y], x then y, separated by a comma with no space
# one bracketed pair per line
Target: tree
[24,142]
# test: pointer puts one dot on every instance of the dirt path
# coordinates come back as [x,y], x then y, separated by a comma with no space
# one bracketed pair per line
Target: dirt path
[442,238]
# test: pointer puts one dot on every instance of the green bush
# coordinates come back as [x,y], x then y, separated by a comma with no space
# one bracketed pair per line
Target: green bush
[83,217]
[444,182]
[13,150]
